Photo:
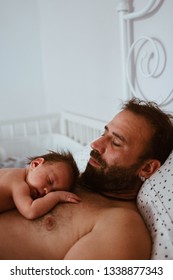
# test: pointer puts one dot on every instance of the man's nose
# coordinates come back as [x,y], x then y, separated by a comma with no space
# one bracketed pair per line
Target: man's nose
[99,144]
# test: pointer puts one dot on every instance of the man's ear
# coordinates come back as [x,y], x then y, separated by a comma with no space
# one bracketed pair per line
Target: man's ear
[149,168]
[34,163]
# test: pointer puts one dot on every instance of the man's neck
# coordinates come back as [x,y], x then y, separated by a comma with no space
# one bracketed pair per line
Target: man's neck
[109,195]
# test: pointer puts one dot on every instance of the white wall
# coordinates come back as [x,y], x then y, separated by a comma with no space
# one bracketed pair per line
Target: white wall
[79,53]
[21,84]
[65,54]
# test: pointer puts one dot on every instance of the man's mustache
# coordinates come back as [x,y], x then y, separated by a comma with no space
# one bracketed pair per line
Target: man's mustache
[95,154]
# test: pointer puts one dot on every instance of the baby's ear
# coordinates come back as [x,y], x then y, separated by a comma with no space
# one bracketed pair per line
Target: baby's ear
[34,163]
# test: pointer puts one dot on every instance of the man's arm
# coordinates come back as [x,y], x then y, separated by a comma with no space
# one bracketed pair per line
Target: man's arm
[118,234]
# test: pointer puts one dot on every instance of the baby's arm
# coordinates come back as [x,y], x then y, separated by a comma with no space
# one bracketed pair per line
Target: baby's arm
[32,209]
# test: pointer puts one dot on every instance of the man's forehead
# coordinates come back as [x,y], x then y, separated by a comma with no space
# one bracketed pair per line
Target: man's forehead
[129,123]
[119,116]
[127,117]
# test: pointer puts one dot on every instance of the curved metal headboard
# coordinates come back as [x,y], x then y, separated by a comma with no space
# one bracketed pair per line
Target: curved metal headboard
[129,66]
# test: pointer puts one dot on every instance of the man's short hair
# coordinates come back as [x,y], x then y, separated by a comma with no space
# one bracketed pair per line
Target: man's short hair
[161,143]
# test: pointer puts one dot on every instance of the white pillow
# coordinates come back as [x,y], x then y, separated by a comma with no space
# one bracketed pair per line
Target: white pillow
[26,146]
[33,145]
[3,154]
[155,202]
[82,157]
[62,142]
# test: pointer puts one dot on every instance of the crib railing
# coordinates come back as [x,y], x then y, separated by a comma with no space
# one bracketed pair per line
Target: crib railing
[34,126]
[80,128]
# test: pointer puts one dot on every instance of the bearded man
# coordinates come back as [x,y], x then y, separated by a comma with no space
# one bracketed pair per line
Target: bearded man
[106,223]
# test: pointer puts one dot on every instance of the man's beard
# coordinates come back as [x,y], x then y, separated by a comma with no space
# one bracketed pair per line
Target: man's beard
[111,179]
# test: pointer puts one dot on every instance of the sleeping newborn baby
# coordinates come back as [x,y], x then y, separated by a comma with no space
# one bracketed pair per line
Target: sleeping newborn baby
[37,188]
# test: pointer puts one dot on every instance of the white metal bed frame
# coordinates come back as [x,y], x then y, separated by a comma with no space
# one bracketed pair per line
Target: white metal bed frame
[127,48]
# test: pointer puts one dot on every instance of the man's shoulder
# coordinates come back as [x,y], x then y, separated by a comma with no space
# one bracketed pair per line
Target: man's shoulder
[124,228]
[121,219]
[120,213]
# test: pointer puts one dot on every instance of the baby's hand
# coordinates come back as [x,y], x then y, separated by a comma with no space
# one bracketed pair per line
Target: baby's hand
[68,197]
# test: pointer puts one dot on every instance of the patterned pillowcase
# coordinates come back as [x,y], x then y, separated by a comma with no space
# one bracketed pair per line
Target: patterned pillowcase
[155,202]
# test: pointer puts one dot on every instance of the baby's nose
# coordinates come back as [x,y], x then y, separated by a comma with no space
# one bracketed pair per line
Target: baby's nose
[46,190]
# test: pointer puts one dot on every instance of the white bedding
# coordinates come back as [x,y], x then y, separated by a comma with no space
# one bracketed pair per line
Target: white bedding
[31,145]
[14,152]
[155,202]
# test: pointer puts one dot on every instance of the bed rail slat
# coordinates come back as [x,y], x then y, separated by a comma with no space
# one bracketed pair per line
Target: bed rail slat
[30,126]
[80,128]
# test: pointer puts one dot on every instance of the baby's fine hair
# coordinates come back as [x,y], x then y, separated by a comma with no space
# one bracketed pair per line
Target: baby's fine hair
[63,156]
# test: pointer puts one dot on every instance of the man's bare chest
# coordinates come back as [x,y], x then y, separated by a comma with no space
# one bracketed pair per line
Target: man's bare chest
[70,217]
[64,226]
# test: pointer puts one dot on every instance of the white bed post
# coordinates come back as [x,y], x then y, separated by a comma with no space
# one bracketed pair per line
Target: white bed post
[123,9]
[124,17]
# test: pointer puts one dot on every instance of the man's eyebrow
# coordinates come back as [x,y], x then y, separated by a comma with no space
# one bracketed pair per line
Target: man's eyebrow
[116,135]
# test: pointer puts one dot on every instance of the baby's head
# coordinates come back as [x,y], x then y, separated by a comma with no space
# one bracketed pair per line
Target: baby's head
[52,171]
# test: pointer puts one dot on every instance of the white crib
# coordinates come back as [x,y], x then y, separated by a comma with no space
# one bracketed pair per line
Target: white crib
[37,135]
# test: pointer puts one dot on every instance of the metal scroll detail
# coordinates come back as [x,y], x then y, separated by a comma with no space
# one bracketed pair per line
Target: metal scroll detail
[144,58]
[147,63]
